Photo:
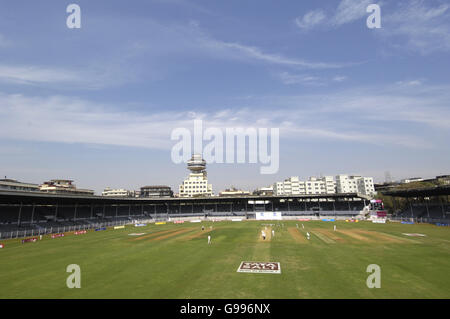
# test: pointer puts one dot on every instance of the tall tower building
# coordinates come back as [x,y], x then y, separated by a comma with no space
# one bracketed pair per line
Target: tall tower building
[197,182]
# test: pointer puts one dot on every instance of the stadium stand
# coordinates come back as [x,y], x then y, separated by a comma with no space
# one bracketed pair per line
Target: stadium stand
[430,205]
[23,214]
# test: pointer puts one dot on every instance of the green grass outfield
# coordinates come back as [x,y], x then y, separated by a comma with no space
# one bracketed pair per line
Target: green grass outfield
[175,261]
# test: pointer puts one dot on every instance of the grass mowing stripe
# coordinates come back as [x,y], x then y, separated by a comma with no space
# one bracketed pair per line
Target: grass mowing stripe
[323,237]
[112,266]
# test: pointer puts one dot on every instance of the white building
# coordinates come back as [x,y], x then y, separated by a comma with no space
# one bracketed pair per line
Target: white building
[366,186]
[290,186]
[63,186]
[264,191]
[13,185]
[197,182]
[234,192]
[117,192]
[294,186]
[330,184]
[355,184]
[346,184]
[322,185]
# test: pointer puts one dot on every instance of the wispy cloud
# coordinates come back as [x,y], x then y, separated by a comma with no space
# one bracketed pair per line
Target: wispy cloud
[35,75]
[191,39]
[304,79]
[84,78]
[349,11]
[418,26]
[340,78]
[371,116]
[410,82]
[310,19]
[308,79]
[414,25]
[257,54]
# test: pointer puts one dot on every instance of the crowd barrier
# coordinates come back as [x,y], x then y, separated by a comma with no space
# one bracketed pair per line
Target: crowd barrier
[420,220]
[60,229]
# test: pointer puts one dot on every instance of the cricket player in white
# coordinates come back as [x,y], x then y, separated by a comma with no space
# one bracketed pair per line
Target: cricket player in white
[307,235]
[263,234]
[209,240]
[334,227]
[273,233]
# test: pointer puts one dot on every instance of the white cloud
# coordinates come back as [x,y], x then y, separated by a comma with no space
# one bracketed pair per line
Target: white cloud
[410,83]
[414,25]
[346,12]
[386,116]
[34,75]
[87,77]
[418,26]
[307,79]
[310,19]
[69,120]
[240,51]
[349,11]
[304,79]
[191,39]
[340,78]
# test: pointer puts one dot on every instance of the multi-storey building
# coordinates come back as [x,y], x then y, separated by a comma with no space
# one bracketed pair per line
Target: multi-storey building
[13,185]
[156,191]
[346,184]
[294,186]
[355,184]
[117,192]
[330,184]
[366,186]
[233,192]
[322,185]
[197,182]
[63,186]
[290,186]
[264,191]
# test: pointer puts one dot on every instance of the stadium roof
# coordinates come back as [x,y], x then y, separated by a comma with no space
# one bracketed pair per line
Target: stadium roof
[11,197]
[419,192]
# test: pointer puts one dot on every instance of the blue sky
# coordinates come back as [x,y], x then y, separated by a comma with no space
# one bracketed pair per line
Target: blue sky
[98,104]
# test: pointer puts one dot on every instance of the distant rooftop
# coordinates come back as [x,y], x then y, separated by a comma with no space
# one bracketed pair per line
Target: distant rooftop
[156,186]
